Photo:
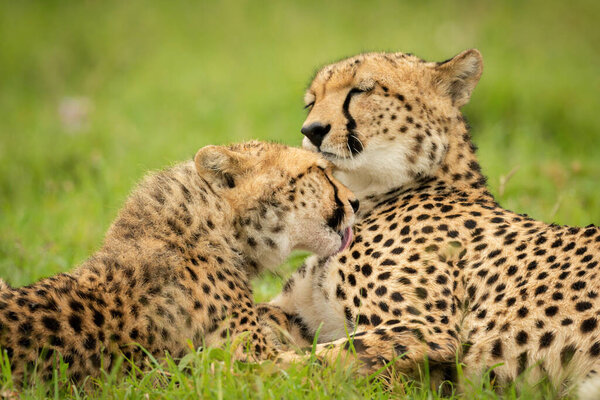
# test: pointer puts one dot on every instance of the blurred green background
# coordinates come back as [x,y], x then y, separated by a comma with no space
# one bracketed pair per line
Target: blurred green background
[95,93]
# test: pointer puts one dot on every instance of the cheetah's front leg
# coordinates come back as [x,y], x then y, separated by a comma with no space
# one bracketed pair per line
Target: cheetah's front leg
[403,346]
[253,340]
[287,329]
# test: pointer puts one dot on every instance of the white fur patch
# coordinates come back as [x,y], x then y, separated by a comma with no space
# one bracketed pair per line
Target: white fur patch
[383,165]
[308,301]
[589,389]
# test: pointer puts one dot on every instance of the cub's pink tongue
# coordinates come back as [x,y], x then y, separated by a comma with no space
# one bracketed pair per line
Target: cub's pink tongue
[346,239]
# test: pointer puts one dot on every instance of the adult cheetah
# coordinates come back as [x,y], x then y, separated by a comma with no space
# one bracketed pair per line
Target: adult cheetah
[175,264]
[437,268]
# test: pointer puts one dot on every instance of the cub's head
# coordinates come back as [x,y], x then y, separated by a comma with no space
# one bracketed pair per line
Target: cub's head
[282,198]
[387,116]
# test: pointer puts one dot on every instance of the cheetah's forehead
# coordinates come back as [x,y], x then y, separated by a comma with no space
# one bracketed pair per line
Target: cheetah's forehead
[361,71]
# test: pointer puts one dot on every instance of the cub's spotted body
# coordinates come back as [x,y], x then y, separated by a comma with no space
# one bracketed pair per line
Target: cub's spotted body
[437,267]
[175,265]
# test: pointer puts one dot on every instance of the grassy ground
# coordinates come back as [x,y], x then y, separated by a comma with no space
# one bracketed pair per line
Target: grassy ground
[92,94]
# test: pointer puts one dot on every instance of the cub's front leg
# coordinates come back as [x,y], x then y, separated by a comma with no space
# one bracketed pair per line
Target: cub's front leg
[253,340]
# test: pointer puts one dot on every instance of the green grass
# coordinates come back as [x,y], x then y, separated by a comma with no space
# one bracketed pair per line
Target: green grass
[214,374]
[156,81]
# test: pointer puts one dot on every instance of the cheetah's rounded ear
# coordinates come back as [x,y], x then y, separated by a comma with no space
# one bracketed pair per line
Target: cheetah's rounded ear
[458,76]
[218,162]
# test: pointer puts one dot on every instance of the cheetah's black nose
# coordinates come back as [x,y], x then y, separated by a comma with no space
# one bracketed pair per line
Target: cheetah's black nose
[315,132]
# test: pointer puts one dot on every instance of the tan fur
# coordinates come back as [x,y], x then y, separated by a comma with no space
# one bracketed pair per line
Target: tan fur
[438,268]
[175,265]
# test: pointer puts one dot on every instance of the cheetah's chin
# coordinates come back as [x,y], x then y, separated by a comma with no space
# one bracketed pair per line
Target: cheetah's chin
[347,236]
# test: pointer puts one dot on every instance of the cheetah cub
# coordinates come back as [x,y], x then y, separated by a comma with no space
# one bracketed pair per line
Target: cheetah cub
[175,265]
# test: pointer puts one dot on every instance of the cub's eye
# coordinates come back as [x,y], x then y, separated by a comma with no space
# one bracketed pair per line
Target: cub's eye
[309,105]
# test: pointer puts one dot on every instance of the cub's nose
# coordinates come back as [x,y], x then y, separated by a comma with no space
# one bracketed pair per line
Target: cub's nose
[315,132]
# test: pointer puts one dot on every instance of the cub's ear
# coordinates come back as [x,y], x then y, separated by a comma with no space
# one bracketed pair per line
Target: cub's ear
[222,164]
[458,76]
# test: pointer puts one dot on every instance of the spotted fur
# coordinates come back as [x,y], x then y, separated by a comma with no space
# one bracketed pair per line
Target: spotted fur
[175,265]
[437,268]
